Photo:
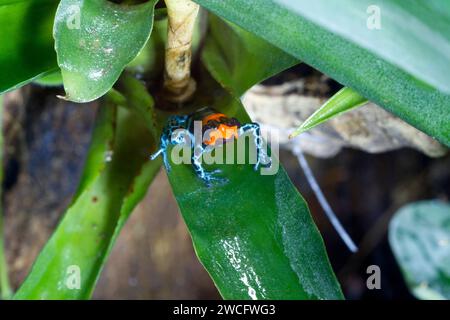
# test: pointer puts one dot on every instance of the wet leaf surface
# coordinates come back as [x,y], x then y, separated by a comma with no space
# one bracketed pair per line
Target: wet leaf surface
[419,235]
[95,40]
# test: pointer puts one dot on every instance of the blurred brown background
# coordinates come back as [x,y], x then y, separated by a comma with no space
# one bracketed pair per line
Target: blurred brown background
[46,140]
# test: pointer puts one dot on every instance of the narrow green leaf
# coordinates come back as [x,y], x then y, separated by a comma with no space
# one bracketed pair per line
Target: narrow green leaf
[411,35]
[26,46]
[53,79]
[95,40]
[138,99]
[238,59]
[116,177]
[419,235]
[422,105]
[344,100]
[7,2]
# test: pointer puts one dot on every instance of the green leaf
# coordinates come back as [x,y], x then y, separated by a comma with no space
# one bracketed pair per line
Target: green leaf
[396,89]
[412,35]
[26,46]
[344,100]
[254,234]
[238,59]
[115,179]
[53,79]
[138,100]
[419,235]
[95,40]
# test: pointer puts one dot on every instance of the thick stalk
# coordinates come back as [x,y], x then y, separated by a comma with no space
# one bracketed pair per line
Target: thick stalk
[178,84]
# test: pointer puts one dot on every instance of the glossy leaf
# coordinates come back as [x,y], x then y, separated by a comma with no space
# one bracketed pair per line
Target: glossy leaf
[238,59]
[26,46]
[53,79]
[419,235]
[115,179]
[95,40]
[253,234]
[344,100]
[396,89]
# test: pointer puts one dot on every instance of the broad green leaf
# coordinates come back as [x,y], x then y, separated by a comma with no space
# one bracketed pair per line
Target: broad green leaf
[344,100]
[396,89]
[419,235]
[115,179]
[238,59]
[254,234]
[26,45]
[95,40]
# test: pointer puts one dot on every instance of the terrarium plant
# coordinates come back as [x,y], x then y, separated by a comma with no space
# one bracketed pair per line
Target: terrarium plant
[149,63]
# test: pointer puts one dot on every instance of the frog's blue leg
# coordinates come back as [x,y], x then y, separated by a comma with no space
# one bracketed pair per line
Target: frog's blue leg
[162,151]
[260,152]
[207,177]
[171,135]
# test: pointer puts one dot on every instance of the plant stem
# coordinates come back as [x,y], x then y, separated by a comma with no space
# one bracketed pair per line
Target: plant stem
[323,201]
[178,84]
[5,289]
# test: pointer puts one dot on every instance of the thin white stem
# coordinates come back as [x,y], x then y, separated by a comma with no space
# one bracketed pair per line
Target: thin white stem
[323,201]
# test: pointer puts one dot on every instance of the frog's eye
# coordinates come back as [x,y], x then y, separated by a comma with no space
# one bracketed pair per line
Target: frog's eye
[213,117]
[213,123]
[234,122]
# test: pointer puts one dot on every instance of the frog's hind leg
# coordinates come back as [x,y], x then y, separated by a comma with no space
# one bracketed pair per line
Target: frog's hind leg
[261,154]
[207,176]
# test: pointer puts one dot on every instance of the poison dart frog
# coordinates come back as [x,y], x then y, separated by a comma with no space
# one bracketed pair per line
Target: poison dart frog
[217,129]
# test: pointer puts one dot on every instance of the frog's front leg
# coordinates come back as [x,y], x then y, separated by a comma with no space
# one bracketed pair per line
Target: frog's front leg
[174,133]
[164,143]
[260,152]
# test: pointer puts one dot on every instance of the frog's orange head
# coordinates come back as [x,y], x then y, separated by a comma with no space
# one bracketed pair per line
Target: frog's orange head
[218,129]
